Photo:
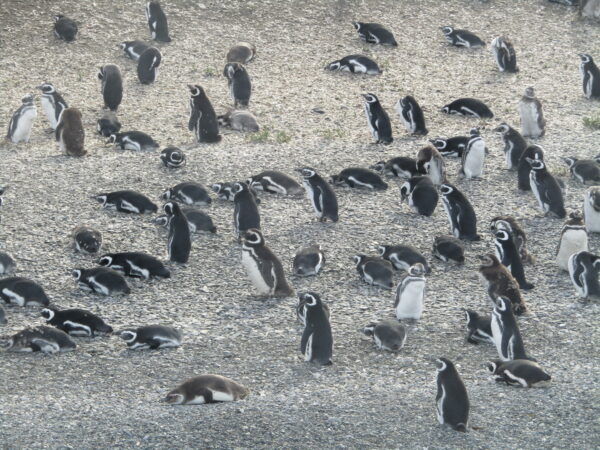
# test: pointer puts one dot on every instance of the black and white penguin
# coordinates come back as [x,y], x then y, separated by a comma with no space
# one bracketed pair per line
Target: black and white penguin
[172,157]
[586,171]
[188,193]
[357,177]
[21,122]
[179,244]
[420,194]
[374,271]
[473,158]
[590,76]
[374,33]
[134,49]
[197,220]
[65,28]
[388,335]
[453,146]
[151,337]
[498,282]
[505,331]
[126,201]
[378,120]
[449,248]
[479,328]
[263,267]
[462,38]
[524,168]
[207,389]
[573,239]
[583,271]
[308,261]
[53,103]
[133,140]
[245,213]
[546,189]
[519,372]
[112,85]
[468,107]
[3,320]
[411,115]
[461,215]
[239,120]
[7,263]
[505,55]
[70,134]
[508,254]
[108,124]
[87,240]
[354,64]
[591,209]
[518,234]
[410,294]
[430,162]
[317,341]
[588,8]
[101,280]
[224,191]
[43,339]
[241,52]
[203,120]
[238,80]
[452,400]
[76,322]
[157,22]
[275,182]
[22,292]
[514,145]
[533,124]
[147,65]
[400,166]
[403,257]
[135,264]
[320,194]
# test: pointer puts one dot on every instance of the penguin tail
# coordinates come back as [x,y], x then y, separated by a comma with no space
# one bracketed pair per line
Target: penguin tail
[461,427]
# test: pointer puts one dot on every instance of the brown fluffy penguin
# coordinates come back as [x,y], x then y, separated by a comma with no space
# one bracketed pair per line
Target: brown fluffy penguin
[69,132]
[498,281]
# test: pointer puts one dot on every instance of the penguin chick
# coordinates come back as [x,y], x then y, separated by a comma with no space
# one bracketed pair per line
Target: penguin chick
[241,52]
[69,132]
[308,261]
[388,335]
[449,248]
[239,120]
[498,281]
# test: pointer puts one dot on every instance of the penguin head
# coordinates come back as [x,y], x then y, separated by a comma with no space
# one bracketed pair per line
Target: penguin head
[174,398]
[369,330]
[536,164]
[447,189]
[310,299]
[48,314]
[446,109]
[439,143]
[447,30]
[101,73]
[230,69]
[128,335]
[101,198]
[77,274]
[502,236]
[333,66]
[356,25]
[358,259]
[307,172]
[475,131]
[122,45]
[471,316]
[488,260]
[28,99]
[113,138]
[502,304]
[58,17]
[530,92]
[379,166]
[171,208]
[105,260]
[167,194]
[494,365]
[253,237]
[173,154]
[585,58]
[500,224]
[370,98]
[382,249]
[503,128]
[405,190]
[46,88]
[161,221]
[570,161]
[416,270]
[196,90]
[442,364]
[239,186]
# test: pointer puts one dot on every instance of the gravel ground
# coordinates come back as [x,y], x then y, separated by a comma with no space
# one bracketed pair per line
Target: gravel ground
[102,395]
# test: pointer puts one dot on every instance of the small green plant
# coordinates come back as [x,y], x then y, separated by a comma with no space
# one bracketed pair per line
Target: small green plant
[330,135]
[592,123]
[259,136]
[210,72]
[281,137]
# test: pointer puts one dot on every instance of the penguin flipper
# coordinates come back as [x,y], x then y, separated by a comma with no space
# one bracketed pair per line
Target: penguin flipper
[308,331]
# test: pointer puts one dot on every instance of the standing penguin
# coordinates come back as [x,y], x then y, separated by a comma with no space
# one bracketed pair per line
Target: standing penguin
[451,401]
[65,28]
[473,158]
[147,68]
[52,103]
[546,189]
[573,239]
[411,115]
[524,168]
[518,234]
[532,117]
[508,254]
[505,331]
[583,271]
[430,162]
[462,38]
[378,120]
[320,194]
[203,120]
[461,215]
[514,145]
[238,80]
[112,85]
[157,22]
[21,122]
[374,271]
[180,243]
[410,294]
[590,76]
[70,134]
[317,341]
[374,33]
[420,194]
[591,209]
[245,212]
[504,52]
[498,281]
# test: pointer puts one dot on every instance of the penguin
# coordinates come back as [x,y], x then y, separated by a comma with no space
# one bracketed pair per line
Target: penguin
[240,87]
[112,85]
[387,334]
[133,49]
[378,120]
[3,320]
[207,389]
[462,38]
[505,55]
[86,240]
[302,309]
[469,107]
[43,339]
[479,328]
[411,115]
[508,254]
[430,162]
[148,63]
[452,400]
[533,124]
[374,271]
[151,337]
[357,177]
[453,146]
[21,122]
[108,124]
[69,132]
[498,281]
[514,145]
[275,183]
[203,120]
[589,8]
[583,271]
[53,103]
[410,294]
[400,166]
[242,52]
[7,263]
[239,120]
[173,158]
[473,158]
[317,341]
[126,201]
[354,64]
[76,322]
[591,210]
[308,261]
[449,248]
[461,215]
[590,76]
[262,266]
[505,331]
[518,234]
[197,221]
[22,292]
[157,22]
[101,280]
[573,239]
[245,214]
[180,243]
[374,33]
[420,194]
[224,191]
[524,169]
[403,257]
[586,171]
[135,264]
[320,194]
[519,372]
[133,140]
[188,193]
[546,189]
[65,28]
